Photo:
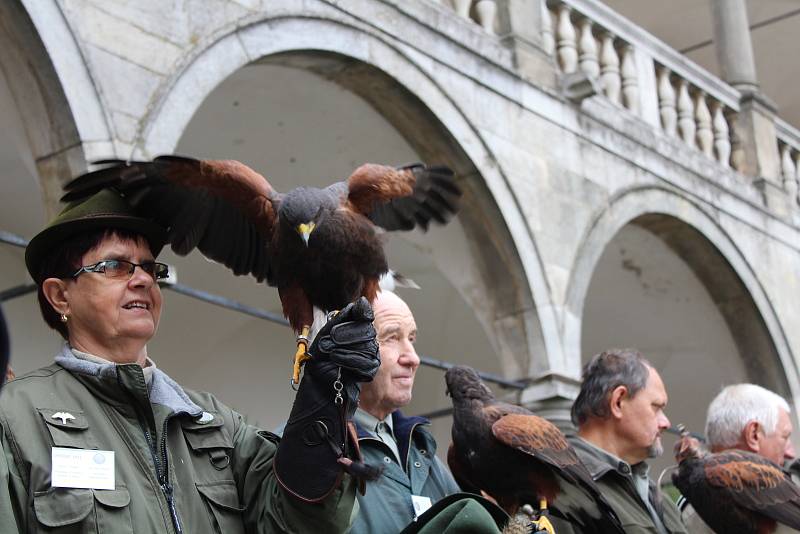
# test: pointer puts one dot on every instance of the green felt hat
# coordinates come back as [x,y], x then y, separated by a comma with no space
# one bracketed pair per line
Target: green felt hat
[105,209]
[460,513]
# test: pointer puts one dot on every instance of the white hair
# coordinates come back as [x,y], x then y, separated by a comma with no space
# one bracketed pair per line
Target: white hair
[737,405]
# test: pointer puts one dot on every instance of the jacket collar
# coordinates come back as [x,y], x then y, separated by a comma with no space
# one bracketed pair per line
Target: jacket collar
[404,431]
[599,462]
[163,390]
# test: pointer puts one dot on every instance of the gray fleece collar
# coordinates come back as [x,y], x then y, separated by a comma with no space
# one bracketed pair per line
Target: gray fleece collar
[163,389]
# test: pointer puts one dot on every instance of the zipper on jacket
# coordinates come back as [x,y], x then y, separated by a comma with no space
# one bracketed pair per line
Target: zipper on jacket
[162,467]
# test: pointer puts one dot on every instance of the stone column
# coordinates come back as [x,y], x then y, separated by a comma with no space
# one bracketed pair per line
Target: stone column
[755,124]
[733,44]
[519,26]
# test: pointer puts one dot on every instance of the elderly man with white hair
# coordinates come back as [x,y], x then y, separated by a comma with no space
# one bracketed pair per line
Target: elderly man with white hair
[750,418]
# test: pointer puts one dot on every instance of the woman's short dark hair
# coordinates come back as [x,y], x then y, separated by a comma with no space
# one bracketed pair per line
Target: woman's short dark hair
[602,375]
[65,259]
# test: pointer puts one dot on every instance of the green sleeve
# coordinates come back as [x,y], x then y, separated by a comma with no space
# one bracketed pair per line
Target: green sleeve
[267,507]
[13,496]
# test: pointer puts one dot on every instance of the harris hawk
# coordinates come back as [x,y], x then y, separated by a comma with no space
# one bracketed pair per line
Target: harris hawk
[321,248]
[519,458]
[734,490]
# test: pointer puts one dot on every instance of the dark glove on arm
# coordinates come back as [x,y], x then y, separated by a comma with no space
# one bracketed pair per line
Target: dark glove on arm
[312,453]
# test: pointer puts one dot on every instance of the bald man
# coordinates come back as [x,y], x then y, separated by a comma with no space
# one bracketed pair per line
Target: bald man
[413,477]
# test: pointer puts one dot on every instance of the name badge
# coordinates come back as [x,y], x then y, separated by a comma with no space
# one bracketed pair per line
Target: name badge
[421,504]
[82,468]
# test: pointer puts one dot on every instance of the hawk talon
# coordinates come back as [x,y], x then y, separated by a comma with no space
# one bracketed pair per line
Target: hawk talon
[543,524]
[300,357]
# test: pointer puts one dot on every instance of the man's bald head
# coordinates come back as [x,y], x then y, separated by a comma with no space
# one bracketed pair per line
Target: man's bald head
[397,332]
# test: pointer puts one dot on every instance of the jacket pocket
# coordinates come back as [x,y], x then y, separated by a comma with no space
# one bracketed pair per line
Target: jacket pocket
[85,511]
[213,440]
[68,428]
[222,501]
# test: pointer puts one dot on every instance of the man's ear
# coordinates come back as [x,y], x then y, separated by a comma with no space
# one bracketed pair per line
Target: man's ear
[618,395]
[752,435]
[55,291]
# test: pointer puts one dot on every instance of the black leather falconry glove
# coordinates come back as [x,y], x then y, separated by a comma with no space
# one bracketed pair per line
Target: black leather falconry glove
[313,452]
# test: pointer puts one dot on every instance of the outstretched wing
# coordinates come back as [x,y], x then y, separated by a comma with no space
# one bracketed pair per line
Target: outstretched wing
[756,484]
[404,197]
[222,207]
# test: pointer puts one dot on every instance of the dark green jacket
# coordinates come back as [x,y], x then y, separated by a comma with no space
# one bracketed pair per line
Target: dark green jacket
[618,488]
[219,468]
[386,508]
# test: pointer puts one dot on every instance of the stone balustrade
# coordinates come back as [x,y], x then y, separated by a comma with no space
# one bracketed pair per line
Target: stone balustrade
[643,75]
[789,150]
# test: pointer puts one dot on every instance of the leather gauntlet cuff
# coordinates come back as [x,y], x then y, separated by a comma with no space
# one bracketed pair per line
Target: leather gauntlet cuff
[307,460]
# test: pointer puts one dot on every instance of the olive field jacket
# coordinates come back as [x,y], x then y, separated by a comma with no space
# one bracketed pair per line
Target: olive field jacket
[181,458]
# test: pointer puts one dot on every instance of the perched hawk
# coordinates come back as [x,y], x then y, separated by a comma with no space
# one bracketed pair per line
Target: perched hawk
[319,247]
[735,491]
[519,458]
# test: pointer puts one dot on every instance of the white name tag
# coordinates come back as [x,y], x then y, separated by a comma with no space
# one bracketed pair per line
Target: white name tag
[82,468]
[420,503]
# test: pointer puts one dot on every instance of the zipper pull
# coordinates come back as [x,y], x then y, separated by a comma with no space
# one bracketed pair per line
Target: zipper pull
[166,487]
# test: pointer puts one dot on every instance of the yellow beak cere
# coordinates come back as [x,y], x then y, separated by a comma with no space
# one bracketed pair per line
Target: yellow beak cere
[305,230]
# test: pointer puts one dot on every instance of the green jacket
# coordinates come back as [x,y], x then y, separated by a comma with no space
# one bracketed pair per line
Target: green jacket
[218,468]
[386,507]
[617,486]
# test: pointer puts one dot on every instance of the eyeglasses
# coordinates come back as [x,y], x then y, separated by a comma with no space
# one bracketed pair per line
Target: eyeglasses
[123,270]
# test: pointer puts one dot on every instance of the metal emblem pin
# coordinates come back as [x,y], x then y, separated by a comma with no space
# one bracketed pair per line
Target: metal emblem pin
[205,419]
[64,416]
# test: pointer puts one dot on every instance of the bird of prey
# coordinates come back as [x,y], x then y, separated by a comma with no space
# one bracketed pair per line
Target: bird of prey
[735,491]
[321,248]
[518,458]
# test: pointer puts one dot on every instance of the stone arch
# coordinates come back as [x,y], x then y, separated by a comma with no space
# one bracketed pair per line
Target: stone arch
[696,237]
[519,309]
[46,74]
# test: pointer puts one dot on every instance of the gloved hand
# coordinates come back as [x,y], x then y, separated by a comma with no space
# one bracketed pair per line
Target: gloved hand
[312,453]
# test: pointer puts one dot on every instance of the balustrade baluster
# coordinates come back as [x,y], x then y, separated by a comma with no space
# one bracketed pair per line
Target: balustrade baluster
[609,68]
[461,7]
[702,116]
[666,101]
[565,36]
[686,124]
[722,137]
[485,12]
[548,41]
[737,150]
[796,197]
[588,50]
[630,81]
[789,171]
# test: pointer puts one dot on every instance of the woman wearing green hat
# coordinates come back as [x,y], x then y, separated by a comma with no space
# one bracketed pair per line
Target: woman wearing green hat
[103,441]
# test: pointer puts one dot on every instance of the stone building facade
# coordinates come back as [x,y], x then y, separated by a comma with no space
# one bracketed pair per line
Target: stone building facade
[616,192]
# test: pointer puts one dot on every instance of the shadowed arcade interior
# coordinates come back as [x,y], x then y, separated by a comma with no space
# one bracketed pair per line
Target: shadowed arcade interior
[661,287]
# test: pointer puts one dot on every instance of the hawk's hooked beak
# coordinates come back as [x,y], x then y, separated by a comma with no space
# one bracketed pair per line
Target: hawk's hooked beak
[305,230]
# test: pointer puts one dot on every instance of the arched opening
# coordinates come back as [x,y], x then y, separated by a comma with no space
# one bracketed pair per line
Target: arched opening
[661,286]
[39,148]
[310,118]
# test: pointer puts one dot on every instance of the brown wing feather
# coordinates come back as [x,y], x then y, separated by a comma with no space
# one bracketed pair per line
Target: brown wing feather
[403,198]
[223,208]
[756,484]
[371,185]
[536,436]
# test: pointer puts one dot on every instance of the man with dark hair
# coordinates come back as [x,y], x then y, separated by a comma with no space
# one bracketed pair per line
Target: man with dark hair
[620,415]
